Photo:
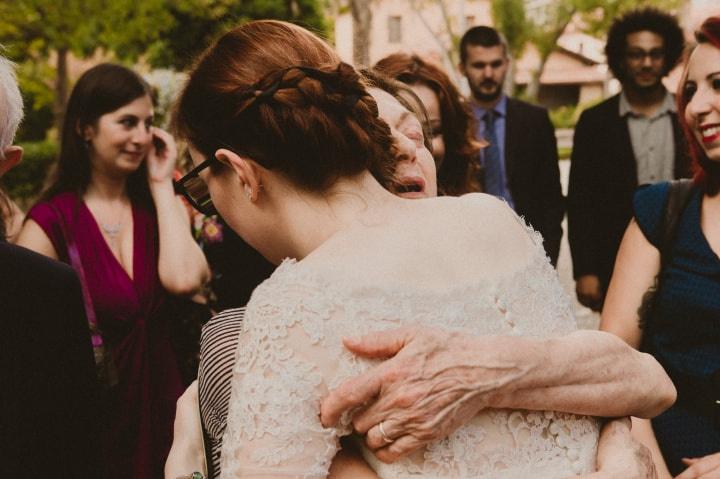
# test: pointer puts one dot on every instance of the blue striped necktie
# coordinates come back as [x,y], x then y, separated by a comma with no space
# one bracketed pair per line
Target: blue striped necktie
[491,158]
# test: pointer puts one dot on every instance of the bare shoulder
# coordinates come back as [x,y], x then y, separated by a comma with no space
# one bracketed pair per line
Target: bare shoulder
[487,216]
[33,237]
[437,241]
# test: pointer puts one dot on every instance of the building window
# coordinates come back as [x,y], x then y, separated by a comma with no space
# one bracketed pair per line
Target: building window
[395,29]
[469,21]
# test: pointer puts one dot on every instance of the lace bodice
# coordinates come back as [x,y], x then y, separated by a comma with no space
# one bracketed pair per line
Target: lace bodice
[290,355]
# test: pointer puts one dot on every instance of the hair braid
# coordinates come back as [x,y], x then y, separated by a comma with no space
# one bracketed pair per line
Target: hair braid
[312,120]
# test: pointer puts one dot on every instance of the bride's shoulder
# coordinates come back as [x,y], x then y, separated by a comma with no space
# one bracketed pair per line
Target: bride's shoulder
[482,212]
[482,203]
[477,203]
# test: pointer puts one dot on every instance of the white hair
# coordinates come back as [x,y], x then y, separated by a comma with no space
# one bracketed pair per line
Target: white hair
[11,104]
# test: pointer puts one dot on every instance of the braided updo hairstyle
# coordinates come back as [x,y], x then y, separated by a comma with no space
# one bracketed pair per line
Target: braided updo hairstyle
[278,94]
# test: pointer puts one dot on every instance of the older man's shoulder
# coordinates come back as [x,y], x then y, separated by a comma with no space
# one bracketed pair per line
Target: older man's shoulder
[17,263]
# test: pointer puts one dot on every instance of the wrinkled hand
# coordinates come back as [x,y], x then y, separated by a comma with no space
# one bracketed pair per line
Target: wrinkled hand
[621,456]
[589,292]
[434,382]
[187,453]
[707,467]
[161,163]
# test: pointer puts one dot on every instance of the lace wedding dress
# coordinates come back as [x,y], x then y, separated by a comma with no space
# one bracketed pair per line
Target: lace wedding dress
[290,355]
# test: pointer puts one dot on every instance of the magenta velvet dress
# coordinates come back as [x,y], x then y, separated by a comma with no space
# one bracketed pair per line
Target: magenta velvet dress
[138,414]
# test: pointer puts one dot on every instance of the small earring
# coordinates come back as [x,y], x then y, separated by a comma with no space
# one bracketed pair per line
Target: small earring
[248,192]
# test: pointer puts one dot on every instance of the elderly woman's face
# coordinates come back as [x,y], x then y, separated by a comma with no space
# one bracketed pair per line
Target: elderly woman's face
[415,175]
[432,105]
[702,92]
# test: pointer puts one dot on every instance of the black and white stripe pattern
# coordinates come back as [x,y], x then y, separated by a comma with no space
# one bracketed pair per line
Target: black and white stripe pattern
[217,356]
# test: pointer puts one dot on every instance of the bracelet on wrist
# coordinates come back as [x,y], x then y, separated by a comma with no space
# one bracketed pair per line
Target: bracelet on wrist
[194,475]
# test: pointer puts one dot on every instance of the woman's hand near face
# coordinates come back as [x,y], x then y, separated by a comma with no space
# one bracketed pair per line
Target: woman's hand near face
[161,157]
[182,266]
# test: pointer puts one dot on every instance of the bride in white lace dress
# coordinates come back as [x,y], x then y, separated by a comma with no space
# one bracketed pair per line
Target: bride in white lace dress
[291,149]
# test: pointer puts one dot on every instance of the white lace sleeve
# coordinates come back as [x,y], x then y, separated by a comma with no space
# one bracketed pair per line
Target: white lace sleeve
[281,373]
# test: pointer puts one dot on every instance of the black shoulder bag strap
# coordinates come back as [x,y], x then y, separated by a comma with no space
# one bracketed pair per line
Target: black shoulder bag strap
[679,195]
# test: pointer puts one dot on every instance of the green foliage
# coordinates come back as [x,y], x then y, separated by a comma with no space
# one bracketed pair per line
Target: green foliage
[37,99]
[567,116]
[509,17]
[564,152]
[32,29]
[165,32]
[24,182]
[196,23]
[599,18]
[563,117]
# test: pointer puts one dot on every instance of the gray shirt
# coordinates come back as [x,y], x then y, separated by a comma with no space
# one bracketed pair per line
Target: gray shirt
[652,140]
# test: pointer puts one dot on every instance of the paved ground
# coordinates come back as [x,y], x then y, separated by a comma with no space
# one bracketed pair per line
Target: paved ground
[586,318]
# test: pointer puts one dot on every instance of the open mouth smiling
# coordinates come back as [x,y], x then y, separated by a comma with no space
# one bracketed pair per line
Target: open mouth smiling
[710,133]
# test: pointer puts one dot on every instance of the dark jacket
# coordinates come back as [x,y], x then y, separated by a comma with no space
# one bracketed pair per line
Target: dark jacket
[47,407]
[603,179]
[531,163]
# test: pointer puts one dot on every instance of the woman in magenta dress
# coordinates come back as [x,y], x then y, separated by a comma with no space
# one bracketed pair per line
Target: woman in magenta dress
[112,196]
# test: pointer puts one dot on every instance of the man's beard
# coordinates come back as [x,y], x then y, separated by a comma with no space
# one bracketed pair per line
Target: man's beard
[487,97]
[647,88]
[632,83]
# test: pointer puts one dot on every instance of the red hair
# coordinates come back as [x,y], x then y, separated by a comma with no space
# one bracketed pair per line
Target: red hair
[277,93]
[707,172]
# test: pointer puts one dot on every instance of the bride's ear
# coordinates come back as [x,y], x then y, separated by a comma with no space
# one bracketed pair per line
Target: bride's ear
[246,170]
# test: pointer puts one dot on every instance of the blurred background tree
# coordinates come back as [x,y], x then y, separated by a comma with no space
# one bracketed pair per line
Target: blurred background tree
[44,37]
[510,18]
[48,31]
[196,23]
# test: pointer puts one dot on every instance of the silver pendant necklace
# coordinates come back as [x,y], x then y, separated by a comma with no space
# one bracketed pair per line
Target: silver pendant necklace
[112,230]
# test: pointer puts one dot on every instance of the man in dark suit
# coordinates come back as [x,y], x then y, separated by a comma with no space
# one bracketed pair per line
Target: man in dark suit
[520,163]
[47,373]
[629,139]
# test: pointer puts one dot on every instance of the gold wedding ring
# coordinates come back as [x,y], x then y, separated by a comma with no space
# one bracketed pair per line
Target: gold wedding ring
[385,437]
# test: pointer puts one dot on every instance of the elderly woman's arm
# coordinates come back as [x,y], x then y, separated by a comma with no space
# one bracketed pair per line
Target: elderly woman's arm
[435,381]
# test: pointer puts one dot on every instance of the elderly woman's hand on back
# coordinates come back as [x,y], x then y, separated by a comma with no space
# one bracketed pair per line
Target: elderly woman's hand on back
[436,380]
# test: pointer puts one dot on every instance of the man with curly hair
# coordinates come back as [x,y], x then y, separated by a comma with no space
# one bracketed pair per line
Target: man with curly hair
[630,139]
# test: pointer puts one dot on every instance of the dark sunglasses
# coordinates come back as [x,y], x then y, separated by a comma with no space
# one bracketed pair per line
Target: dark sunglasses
[195,190]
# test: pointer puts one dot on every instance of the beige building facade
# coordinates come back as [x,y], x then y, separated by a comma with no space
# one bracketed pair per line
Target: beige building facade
[424,27]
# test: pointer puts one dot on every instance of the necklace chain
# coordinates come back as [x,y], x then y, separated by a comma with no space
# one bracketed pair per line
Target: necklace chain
[112,230]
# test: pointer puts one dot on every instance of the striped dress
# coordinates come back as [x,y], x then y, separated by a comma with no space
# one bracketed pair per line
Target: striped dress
[217,355]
